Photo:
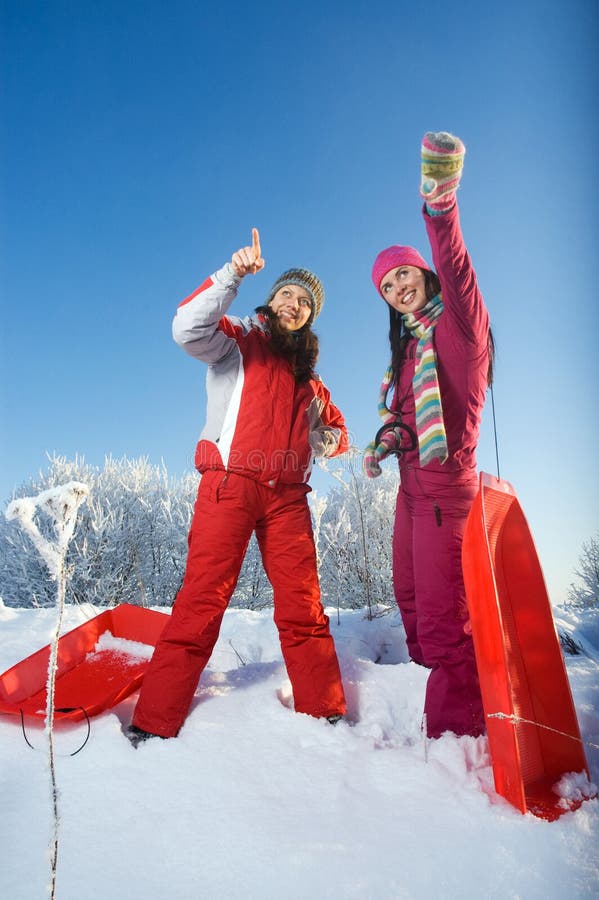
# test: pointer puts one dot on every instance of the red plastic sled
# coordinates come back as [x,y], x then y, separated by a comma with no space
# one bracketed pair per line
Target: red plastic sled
[88,681]
[533,733]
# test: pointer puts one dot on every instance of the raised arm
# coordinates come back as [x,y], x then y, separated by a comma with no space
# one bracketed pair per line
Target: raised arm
[441,171]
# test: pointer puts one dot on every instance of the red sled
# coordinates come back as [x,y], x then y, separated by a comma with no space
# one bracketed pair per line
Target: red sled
[532,728]
[89,678]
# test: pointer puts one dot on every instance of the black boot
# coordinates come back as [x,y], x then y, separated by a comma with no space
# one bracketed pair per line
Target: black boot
[337,717]
[137,735]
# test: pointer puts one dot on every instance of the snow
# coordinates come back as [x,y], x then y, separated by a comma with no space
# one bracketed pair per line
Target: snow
[129,651]
[254,801]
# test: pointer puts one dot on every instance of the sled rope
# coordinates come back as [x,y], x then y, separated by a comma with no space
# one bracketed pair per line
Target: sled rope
[518,720]
[495,429]
[63,709]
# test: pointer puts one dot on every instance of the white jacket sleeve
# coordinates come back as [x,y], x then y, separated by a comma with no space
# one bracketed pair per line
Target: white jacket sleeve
[195,326]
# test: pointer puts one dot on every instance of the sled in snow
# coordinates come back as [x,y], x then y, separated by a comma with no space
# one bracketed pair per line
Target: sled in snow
[96,669]
[533,733]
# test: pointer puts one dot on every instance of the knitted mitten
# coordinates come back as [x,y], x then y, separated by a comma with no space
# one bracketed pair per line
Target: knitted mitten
[389,443]
[442,162]
[370,462]
[372,458]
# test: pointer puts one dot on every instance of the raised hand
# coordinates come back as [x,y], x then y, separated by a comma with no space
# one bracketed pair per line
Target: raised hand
[248,260]
[442,157]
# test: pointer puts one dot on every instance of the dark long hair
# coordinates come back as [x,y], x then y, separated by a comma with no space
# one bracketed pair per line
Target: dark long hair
[299,348]
[399,337]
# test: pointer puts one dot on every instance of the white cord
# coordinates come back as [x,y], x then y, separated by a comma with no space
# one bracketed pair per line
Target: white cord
[518,719]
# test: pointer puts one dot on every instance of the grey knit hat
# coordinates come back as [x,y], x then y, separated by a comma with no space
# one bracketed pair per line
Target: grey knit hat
[305,279]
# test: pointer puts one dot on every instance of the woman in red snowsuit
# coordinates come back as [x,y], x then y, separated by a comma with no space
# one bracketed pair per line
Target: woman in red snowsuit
[441,363]
[268,416]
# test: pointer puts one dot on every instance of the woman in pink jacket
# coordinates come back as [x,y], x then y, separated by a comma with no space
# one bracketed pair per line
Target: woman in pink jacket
[268,416]
[441,365]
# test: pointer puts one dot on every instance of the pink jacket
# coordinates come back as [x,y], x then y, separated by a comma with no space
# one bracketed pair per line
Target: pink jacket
[461,344]
[260,422]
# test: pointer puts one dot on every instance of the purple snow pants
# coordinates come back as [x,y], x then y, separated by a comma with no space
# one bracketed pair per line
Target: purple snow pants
[432,508]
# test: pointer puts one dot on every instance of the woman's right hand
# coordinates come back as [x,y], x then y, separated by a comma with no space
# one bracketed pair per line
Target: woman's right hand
[248,260]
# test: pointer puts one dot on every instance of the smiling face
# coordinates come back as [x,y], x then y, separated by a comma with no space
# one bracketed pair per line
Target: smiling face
[404,289]
[292,306]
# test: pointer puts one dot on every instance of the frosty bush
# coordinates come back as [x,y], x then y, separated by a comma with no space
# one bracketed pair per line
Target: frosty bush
[253,589]
[130,543]
[355,533]
[585,594]
[131,540]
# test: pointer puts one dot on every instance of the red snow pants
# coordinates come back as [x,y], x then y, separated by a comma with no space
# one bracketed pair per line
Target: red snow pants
[228,509]
[430,517]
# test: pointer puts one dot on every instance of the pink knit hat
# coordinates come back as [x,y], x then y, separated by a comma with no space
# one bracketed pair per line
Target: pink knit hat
[392,258]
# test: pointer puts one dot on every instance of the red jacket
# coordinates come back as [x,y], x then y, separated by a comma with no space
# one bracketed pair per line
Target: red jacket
[260,422]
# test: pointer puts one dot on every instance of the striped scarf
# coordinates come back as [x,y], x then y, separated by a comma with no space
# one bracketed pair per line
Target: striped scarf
[432,440]
[384,412]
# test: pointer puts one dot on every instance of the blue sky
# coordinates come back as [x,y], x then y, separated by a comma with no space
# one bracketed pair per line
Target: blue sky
[143,140]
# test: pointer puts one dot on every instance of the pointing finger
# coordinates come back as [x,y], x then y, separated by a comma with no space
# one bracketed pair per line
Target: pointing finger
[256,243]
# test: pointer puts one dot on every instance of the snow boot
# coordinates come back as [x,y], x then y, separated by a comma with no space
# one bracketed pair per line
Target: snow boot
[138,736]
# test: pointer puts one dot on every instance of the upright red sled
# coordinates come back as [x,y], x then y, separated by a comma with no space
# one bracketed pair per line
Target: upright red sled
[534,737]
[88,680]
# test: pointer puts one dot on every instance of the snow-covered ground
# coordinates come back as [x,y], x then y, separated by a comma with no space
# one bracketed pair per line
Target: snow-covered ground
[253,801]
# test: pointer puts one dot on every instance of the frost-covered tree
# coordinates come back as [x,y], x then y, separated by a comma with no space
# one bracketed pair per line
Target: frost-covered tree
[585,593]
[131,540]
[355,537]
[253,590]
[130,544]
